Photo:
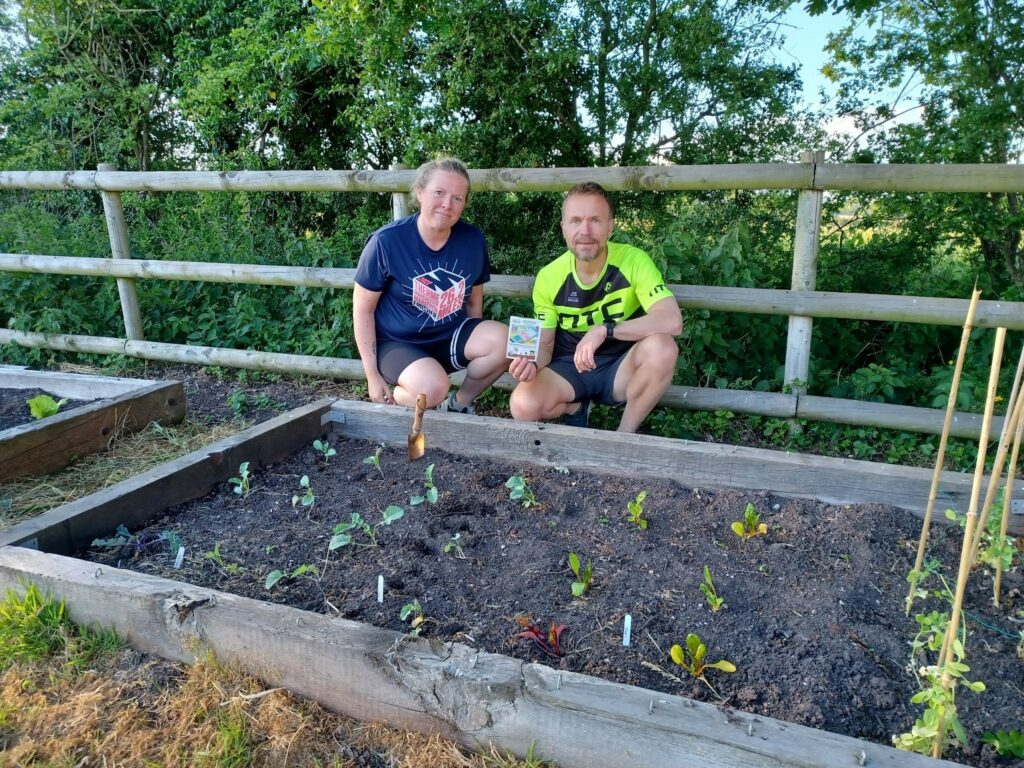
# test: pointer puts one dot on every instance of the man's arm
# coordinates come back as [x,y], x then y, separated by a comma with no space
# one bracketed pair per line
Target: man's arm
[662,317]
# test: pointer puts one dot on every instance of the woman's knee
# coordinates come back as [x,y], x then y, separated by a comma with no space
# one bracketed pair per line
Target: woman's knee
[524,405]
[432,383]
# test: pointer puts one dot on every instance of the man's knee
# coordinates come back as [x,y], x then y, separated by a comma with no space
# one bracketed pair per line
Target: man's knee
[659,352]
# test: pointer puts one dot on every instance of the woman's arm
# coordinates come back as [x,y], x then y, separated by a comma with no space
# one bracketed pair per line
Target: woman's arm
[475,302]
[364,304]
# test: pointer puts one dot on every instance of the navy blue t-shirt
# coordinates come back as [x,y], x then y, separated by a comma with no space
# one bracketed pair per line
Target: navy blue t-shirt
[423,292]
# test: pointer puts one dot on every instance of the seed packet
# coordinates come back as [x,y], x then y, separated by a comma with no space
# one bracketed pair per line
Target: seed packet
[523,337]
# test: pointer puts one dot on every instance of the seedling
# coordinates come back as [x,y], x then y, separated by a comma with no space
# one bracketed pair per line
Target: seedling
[429,490]
[276,576]
[124,538]
[708,588]
[583,577]
[751,524]
[43,405]
[635,511]
[308,497]
[455,546]
[549,642]
[520,491]
[218,560]
[324,449]
[994,550]
[1006,743]
[343,531]
[691,659]
[374,459]
[242,482]
[413,613]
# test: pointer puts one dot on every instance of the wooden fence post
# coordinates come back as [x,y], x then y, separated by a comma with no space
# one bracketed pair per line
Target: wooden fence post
[120,249]
[399,200]
[805,273]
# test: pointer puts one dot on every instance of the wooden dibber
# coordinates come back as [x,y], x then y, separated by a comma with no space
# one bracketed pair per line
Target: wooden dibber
[417,441]
[940,455]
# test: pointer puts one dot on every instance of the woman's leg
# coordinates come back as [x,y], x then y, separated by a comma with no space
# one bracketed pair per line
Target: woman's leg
[485,353]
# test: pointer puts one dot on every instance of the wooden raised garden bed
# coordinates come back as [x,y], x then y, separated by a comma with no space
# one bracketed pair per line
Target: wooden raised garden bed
[453,680]
[115,406]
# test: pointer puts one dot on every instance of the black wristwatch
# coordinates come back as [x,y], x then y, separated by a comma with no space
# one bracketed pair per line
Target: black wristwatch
[610,327]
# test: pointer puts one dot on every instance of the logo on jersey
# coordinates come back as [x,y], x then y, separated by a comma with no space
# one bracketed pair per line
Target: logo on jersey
[439,293]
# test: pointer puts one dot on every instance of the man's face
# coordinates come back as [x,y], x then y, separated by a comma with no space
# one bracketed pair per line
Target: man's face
[586,226]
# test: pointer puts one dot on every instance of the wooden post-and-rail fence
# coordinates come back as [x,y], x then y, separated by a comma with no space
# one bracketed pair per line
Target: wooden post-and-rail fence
[801,303]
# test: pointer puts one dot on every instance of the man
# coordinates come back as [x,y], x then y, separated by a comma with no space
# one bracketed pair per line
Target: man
[608,324]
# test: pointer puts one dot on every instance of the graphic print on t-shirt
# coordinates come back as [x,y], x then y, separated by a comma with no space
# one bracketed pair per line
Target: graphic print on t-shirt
[439,293]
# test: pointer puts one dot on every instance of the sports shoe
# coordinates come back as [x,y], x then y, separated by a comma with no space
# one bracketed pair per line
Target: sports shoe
[579,419]
[451,404]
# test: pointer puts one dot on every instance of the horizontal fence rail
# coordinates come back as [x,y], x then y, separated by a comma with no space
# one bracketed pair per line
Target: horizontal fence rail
[801,303]
[660,178]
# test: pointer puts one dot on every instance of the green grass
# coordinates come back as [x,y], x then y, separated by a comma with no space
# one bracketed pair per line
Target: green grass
[35,627]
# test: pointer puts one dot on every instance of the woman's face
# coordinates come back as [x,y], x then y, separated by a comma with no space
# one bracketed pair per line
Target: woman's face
[442,199]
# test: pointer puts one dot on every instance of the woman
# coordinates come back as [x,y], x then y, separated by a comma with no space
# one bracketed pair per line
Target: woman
[418,300]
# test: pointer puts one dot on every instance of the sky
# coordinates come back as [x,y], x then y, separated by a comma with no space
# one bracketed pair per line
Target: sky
[806,36]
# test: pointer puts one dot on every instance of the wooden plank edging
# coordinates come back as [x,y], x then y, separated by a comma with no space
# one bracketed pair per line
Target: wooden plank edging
[137,500]
[425,685]
[80,386]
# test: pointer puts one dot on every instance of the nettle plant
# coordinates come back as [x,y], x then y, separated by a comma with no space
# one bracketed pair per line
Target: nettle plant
[635,511]
[519,490]
[344,533]
[429,489]
[751,524]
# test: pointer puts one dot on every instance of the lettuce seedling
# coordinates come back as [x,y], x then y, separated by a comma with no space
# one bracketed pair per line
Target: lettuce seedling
[550,642]
[429,490]
[635,511]
[708,588]
[519,490]
[692,658]
[43,405]
[583,578]
[751,525]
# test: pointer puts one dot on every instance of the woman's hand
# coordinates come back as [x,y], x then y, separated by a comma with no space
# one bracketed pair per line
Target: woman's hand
[380,392]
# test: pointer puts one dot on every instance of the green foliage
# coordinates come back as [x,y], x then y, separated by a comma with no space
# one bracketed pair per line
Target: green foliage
[691,658]
[343,532]
[429,489]
[308,498]
[43,405]
[584,576]
[1005,743]
[454,544]
[34,627]
[520,490]
[374,459]
[715,602]
[221,562]
[635,511]
[751,524]
[413,613]
[994,549]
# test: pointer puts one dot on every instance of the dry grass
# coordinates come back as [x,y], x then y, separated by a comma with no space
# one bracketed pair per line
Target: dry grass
[163,714]
[128,456]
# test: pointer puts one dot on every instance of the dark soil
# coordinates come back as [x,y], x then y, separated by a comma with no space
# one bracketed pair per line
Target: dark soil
[14,409]
[813,615]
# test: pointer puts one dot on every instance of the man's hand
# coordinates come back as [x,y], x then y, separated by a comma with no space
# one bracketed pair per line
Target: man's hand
[522,369]
[587,348]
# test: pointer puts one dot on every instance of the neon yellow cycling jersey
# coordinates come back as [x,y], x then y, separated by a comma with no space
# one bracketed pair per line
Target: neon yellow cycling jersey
[629,285]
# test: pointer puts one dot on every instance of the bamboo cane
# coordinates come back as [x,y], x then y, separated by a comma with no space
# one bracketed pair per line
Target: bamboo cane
[1012,415]
[1007,503]
[941,454]
[972,516]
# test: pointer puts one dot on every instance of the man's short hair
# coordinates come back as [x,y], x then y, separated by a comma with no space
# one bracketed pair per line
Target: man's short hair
[589,188]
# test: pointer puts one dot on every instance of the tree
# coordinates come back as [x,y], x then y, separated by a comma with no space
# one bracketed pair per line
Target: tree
[960,66]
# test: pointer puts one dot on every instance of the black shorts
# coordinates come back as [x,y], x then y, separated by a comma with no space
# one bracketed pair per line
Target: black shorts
[393,357]
[595,385]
